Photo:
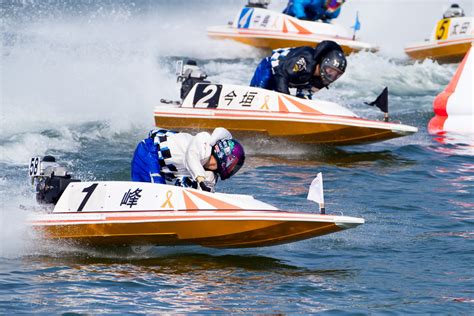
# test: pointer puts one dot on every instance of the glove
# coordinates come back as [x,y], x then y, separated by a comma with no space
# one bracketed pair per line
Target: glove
[304,93]
[204,187]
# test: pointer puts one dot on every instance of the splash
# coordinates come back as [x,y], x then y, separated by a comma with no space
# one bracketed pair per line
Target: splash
[16,239]
[72,62]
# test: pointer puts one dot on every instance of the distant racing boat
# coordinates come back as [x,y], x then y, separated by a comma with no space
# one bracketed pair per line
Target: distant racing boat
[449,41]
[269,29]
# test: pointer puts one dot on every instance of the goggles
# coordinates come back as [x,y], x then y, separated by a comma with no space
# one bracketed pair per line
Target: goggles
[330,74]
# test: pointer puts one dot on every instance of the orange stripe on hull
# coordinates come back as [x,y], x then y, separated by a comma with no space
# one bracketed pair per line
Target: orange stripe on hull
[190,205]
[215,202]
[285,30]
[303,107]
[301,30]
[281,106]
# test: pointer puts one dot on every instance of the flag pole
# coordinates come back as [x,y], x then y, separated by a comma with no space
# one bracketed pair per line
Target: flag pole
[356,26]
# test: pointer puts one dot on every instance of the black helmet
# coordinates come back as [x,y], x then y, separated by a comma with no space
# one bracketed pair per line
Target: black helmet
[230,157]
[332,66]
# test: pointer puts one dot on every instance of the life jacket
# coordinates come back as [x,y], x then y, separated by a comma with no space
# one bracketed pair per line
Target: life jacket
[294,67]
[168,170]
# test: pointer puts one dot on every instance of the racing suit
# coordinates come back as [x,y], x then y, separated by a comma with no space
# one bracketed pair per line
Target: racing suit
[292,68]
[176,158]
[311,10]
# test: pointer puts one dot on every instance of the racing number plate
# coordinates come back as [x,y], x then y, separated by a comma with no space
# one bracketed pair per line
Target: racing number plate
[207,95]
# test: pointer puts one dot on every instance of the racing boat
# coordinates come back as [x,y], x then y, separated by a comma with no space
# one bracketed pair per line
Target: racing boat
[249,111]
[264,28]
[450,39]
[113,213]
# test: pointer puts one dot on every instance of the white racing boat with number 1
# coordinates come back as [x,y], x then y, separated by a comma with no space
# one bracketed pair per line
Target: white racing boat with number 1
[113,213]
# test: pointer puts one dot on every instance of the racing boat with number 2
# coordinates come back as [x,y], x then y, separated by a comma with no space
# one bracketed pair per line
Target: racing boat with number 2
[249,111]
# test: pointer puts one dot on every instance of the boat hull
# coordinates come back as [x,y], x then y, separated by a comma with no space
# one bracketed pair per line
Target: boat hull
[270,29]
[272,41]
[442,51]
[302,128]
[216,229]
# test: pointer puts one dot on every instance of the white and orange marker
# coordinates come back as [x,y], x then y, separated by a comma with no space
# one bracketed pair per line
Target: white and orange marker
[454,107]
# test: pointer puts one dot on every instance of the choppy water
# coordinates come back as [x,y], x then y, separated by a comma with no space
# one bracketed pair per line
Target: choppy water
[79,81]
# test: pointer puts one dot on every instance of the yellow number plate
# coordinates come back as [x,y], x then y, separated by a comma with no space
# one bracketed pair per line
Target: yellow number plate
[442,30]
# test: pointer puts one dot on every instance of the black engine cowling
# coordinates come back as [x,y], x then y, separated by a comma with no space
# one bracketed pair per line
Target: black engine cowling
[50,179]
[50,189]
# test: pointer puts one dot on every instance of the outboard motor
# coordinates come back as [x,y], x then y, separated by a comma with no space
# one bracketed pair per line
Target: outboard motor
[189,74]
[49,178]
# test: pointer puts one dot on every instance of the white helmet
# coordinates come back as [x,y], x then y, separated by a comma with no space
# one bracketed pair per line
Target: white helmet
[454,11]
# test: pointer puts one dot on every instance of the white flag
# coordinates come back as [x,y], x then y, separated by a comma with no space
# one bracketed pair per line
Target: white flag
[316,190]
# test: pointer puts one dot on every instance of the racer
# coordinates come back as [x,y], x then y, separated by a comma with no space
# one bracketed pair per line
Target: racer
[185,160]
[305,68]
[453,11]
[312,10]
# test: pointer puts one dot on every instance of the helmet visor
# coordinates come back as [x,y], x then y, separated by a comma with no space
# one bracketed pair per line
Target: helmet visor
[229,167]
[330,74]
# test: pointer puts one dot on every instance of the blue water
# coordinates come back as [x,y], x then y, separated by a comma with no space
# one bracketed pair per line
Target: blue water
[79,81]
